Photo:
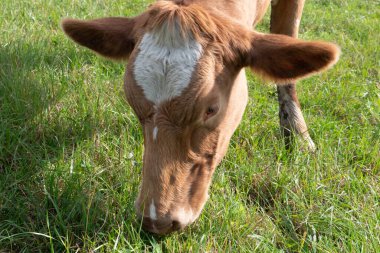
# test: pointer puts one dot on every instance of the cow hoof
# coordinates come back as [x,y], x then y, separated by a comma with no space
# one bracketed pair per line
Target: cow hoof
[309,144]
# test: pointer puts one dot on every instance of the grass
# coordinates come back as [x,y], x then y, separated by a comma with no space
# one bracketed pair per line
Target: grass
[70,146]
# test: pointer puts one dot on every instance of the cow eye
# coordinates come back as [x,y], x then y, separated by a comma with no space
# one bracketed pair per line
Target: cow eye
[211,111]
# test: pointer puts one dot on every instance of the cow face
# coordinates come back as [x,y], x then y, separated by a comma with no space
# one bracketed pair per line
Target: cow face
[186,84]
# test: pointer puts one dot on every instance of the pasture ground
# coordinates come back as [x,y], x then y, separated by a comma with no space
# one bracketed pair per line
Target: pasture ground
[71,148]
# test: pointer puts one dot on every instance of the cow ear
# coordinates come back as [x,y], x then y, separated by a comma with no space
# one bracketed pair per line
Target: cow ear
[113,37]
[284,59]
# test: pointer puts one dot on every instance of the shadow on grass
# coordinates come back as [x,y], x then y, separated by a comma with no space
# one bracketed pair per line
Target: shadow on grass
[37,201]
[271,198]
[24,97]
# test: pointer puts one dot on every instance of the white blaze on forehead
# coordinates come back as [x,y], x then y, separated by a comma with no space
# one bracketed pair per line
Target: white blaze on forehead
[152,211]
[165,63]
[155,131]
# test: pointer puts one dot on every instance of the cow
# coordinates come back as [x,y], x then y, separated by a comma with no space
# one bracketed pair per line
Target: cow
[185,81]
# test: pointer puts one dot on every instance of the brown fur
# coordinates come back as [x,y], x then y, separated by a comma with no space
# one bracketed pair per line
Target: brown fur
[222,35]
[284,59]
[274,57]
[113,37]
[285,17]
[194,128]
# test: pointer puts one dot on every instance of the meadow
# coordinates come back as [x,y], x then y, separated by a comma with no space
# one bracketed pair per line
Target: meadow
[71,147]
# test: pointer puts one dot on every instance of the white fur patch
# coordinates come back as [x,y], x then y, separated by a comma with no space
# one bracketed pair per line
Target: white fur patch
[298,122]
[297,22]
[185,217]
[165,63]
[152,211]
[155,131]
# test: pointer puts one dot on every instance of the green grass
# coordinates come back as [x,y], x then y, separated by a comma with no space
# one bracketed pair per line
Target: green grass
[70,146]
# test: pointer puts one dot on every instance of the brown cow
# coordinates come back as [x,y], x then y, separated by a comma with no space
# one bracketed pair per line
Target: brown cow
[186,83]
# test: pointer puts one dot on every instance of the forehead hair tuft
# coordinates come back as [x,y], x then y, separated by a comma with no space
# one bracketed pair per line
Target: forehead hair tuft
[178,23]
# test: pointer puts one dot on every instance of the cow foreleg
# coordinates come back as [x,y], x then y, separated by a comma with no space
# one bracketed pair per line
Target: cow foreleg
[291,118]
[285,19]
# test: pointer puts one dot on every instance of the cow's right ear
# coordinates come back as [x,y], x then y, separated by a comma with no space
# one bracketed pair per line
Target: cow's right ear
[113,37]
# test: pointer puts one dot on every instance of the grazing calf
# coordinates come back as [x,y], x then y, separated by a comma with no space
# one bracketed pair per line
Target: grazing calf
[186,83]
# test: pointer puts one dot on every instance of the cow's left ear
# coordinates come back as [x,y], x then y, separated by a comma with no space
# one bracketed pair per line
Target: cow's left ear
[284,59]
[113,37]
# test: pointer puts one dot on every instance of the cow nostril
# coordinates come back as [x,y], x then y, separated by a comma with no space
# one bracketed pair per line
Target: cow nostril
[176,225]
[160,227]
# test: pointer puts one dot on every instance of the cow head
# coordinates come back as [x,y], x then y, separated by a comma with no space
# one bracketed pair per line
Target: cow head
[186,84]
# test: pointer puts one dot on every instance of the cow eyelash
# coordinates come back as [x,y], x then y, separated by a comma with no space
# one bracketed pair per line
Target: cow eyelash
[210,111]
